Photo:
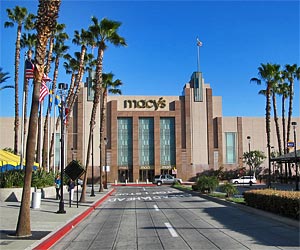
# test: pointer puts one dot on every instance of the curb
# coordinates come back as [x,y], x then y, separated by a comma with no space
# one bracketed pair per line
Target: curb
[133,185]
[52,238]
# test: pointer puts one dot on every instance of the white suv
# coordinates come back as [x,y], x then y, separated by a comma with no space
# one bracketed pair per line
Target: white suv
[165,179]
[244,180]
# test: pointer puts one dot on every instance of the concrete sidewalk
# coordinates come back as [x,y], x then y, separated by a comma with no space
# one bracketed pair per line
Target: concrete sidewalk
[46,225]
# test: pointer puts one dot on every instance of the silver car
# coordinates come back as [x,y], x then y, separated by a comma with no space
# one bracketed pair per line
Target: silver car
[165,179]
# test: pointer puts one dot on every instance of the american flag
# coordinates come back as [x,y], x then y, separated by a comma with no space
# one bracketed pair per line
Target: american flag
[29,68]
[44,91]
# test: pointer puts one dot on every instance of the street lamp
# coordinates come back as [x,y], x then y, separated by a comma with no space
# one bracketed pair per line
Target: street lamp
[63,91]
[105,160]
[249,142]
[295,148]
[92,192]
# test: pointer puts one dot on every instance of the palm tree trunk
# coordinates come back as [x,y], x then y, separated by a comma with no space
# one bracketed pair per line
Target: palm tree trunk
[47,15]
[291,96]
[277,124]
[93,116]
[268,130]
[17,63]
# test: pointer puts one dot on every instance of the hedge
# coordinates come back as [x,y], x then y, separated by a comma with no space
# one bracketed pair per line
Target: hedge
[285,203]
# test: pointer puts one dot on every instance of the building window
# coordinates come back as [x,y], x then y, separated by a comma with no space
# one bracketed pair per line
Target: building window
[230,147]
[146,141]
[125,142]
[167,142]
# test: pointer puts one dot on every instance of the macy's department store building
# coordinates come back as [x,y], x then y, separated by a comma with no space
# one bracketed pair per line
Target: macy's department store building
[182,135]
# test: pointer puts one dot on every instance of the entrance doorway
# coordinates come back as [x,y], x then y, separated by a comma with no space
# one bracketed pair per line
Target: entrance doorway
[124,175]
[146,174]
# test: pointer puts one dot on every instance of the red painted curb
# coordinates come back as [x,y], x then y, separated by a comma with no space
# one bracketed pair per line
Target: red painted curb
[133,184]
[47,243]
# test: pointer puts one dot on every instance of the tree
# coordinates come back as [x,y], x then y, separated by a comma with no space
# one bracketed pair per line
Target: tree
[283,90]
[3,77]
[102,33]
[19,16]
[290,73]
[27,41]
[59,50]
[254,159]
[111,86]
[268,73]
[47,15]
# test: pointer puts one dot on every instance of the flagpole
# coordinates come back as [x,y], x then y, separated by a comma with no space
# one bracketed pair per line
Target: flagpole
[198,54]
[54,133]
[23,119]
[48,137]
[41,137]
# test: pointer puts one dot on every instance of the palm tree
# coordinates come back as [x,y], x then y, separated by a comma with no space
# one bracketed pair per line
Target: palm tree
[102,33]
[290,73]
[47,15]
[59,50]
[27,41]
[3,78]
[82,39]
[283,90]
[58,31]
[19,16]
[111,86]
[268,73]
[274,91]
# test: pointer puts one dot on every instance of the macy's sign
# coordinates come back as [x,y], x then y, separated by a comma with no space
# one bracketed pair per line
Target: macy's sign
[145,104]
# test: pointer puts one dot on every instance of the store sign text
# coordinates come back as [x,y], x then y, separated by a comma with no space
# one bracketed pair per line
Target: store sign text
[145,104]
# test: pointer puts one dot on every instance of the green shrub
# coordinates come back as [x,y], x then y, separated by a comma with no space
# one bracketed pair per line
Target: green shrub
[15,178]
[286,203]
[229,189]
[207,184]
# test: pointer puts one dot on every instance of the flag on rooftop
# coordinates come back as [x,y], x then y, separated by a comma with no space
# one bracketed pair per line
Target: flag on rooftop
[29,69]
[44,91]
[199,43]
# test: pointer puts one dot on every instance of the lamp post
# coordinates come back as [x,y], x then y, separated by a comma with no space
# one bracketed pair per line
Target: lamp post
[249,150]
[62,90]
[92,192]
[105,160]
[295,148]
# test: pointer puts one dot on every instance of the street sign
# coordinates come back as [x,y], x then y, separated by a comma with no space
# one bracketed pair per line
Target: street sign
[107,168]
[290,144]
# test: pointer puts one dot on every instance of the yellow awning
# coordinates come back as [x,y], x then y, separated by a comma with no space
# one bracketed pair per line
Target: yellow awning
[11,159]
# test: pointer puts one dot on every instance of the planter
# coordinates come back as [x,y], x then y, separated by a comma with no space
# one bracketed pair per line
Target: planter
[12,194]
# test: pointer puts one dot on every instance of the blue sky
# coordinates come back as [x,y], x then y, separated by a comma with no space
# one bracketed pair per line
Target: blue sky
[161,54]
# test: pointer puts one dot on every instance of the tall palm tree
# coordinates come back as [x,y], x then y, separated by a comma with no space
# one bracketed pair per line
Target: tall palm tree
[267,73]
[47,15]
[82,39]
[20,17]
[108,86]
[102,32]
[283,91]
[59,50]
[58,31]
[3,77]
[27,41]
[274,92]
[290,73]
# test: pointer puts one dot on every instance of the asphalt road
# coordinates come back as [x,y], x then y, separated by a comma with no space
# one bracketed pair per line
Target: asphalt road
[165,218]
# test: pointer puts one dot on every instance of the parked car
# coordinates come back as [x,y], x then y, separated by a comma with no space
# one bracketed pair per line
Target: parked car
[165,179]
[244,180]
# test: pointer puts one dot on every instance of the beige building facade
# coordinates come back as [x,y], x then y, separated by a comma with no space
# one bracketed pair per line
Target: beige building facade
[149,135]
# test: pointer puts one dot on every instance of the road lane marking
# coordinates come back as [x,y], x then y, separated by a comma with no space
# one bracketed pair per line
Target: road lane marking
[171,229]
[156,207]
